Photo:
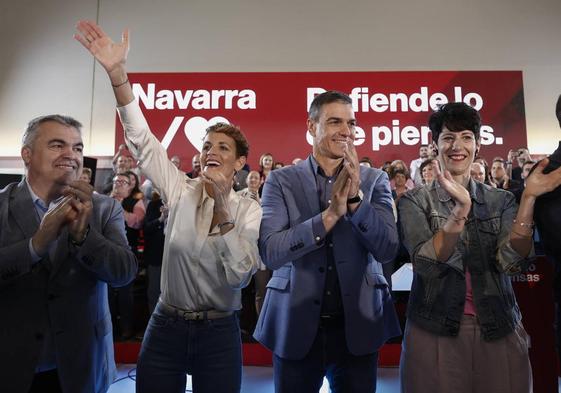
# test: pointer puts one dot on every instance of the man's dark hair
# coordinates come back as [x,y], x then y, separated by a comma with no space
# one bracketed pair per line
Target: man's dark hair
[455,116]
[325,98]
[242,146]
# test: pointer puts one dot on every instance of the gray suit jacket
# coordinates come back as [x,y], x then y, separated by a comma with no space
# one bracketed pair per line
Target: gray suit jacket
[66,295]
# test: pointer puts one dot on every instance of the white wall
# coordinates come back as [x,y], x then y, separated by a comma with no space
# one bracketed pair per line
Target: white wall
[43,70]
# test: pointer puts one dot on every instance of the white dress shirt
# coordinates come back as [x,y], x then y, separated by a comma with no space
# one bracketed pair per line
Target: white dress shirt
[201,269]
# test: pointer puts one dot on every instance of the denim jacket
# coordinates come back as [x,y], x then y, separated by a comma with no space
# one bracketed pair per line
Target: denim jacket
[438,292]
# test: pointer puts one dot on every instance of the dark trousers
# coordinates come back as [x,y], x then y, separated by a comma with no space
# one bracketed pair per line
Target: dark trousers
[208,350]
[46,382]
[329,357]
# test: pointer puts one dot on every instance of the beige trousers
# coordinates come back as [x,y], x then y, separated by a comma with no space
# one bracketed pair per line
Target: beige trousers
[466,363]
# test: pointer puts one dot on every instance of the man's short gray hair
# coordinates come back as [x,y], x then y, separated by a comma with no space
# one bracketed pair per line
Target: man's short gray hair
[30,133]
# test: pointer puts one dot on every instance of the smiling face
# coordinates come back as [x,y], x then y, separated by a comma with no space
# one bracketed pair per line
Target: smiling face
[121,186]
[334,129]
[477,172]
[219,154]
[427,173]
[457,150]
[267,161]
[253,181]
[55,157]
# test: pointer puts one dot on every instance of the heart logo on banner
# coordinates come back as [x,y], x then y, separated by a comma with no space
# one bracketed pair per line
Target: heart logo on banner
[195,129]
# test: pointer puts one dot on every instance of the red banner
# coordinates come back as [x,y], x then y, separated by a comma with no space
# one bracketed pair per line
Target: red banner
[392,109]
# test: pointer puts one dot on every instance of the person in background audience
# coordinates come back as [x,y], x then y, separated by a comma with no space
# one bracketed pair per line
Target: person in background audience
[386,167]
[296,161]
[498,173]
[86,175]
[176,160]
[240,178]
[279,165]
[488,178]
[210,249]
[400,165]
[121,301]
[399,178]
[154,238]
[426,170]
[196,166]
[366,161]
[135,189]
[526,169]
[520,185]
[501,179]
[60,245]
[253,185]
[265,166]
[121,164]
[519,156]
[414,172]
[464,331]
[262,275]
[477,172]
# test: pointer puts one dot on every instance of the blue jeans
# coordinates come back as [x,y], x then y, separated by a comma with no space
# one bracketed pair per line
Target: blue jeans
[208,350]
[329,357]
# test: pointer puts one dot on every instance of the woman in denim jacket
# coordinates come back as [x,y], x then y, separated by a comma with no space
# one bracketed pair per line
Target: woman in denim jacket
[464,330]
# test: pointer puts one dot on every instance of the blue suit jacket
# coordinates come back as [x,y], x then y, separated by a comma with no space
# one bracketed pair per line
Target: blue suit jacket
[67,295]
[289,320]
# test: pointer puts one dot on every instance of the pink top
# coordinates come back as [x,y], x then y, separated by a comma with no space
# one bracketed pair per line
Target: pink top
[469,307]
[136,218]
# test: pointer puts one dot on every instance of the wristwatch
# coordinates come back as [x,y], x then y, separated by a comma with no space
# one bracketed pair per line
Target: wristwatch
[356,199]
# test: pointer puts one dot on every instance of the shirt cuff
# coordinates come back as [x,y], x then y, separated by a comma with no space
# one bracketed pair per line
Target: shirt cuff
[318,229]
[34,256]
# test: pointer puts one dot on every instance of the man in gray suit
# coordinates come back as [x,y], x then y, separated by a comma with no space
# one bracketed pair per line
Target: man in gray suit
[59,247]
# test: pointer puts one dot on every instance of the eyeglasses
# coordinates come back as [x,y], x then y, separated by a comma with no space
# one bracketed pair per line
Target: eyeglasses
[119,181]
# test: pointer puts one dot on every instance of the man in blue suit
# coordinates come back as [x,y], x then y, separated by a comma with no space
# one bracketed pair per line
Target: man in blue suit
[327,226]
[59,247]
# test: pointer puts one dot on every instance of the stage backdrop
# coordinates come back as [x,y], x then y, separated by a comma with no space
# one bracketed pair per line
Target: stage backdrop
[392,109]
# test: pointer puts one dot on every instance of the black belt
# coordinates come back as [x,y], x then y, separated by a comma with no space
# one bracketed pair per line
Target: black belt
[194,315]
